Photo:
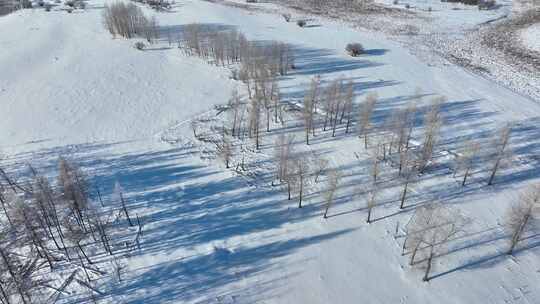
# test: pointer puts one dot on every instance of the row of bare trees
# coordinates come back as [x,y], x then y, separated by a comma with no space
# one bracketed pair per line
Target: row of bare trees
[334,103]
[229,46]
[127,20]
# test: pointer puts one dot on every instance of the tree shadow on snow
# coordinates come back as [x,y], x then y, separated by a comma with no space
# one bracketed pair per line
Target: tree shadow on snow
[188,207]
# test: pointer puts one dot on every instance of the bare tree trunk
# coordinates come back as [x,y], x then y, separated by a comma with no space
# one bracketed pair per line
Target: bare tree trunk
[99,196]
[125,209]
[301,190]
[84,253]
[429,263]
[4,298]
[13,276]
[404,195]
[465,177]
[3,202]
[494,171]
[517,234]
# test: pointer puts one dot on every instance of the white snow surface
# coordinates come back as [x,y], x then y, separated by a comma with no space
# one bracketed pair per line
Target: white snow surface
[68,88]
[531,37]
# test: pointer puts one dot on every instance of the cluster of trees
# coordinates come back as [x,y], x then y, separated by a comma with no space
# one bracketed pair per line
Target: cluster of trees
[334,103]
[231,46]
[127,20]
[207,42]
[330,106]
[297,171]
[259,67]
[321,5]
[46,227]
[434,225]
[391,140]
[8,6]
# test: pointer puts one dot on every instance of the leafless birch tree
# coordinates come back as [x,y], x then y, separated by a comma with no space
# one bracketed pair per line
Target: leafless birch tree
[432,125]
[466,160]
[501,150]
[525,213]
[364,117]
[331,187]
[302,173]
[430,229]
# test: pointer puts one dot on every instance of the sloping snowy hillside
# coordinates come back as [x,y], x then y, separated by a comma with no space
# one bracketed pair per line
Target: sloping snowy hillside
[217,235]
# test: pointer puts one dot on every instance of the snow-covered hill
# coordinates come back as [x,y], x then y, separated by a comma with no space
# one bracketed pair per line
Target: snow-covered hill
[68,88]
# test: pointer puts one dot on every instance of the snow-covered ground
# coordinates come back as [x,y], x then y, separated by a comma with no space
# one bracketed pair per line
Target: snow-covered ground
[531,37]
[68,88]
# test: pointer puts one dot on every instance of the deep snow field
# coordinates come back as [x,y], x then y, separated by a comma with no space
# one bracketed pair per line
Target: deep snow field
[68,88]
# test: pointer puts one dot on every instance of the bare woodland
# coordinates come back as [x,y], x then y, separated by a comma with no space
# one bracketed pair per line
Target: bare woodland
[61,229]
[64,225]
[398,148]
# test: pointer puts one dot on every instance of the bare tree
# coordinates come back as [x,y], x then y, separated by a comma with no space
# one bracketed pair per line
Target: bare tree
[432,226]
[235,109]
[119,195]
[375,169]
[432,122]
[338,104]
[255,119]
[321,164]
[501,153]
[302,172]
[310,107]
[371,201]
[410,119]
[283,149]
[409,176]
[307,115]
[523,214]
[364,116]
[329,105]
[333,180]
[348,105]
[466,160]
[225,150]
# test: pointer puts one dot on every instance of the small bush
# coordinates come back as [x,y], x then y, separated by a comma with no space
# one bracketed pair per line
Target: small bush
[354,49]
[429,9]
[396,2]
[70,10]
[70,3]
[48,7]
[41,3]
[407,6]
[140,46]
[287,17]
[301,23]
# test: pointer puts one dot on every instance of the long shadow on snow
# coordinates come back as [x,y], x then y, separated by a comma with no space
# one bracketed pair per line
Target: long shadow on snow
[188,205]
[200,275]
